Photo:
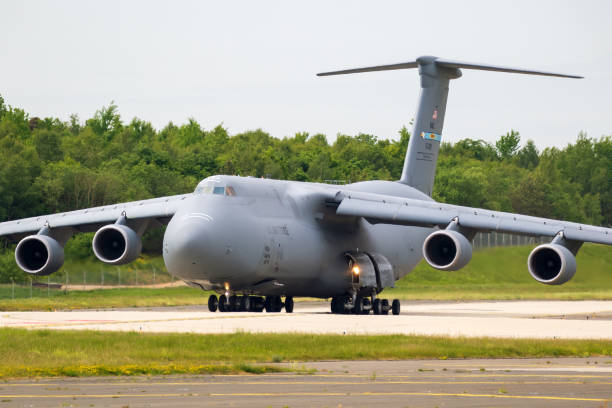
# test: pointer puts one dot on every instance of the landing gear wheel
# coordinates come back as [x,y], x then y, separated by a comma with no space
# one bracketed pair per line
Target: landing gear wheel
[367,305]
[358,308]
[273,304]
[223,303]
[345,302]
[268,304]
[395,307]
[278,304]
[377,306]
[213,303]
[245,304]
[385,306]
[289,304]
[335,303]
[233,303]
[257,304]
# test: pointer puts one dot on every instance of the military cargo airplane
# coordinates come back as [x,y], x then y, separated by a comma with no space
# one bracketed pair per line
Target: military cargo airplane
[254,241]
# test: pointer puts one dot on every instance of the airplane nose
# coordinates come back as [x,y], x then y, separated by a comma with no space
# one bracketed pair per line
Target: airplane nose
[188,250]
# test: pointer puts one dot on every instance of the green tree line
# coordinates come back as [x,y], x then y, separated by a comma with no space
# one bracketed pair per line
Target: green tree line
[48,165]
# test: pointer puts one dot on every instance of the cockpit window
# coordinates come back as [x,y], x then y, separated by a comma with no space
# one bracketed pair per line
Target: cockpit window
[214,186]
[204,188]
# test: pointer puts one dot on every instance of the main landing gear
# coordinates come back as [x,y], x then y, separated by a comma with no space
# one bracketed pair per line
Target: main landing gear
[233,303]
[348,304]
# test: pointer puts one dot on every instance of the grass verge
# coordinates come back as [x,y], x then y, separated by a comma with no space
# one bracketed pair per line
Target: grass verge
[100,298]
[25,353]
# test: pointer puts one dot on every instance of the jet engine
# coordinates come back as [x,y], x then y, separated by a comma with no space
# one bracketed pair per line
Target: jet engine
[39,254]
[551,264]
[447,250]
[116,244]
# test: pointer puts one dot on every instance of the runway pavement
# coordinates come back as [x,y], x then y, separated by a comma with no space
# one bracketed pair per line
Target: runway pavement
[520,319]
[416,383]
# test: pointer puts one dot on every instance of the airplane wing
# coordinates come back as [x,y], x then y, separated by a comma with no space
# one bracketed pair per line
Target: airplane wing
[378,208]
[158,210]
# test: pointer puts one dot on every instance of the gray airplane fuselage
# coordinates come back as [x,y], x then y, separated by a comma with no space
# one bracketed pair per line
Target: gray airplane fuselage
[274,237]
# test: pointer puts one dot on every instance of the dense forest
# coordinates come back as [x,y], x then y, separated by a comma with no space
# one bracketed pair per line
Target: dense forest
[48,165]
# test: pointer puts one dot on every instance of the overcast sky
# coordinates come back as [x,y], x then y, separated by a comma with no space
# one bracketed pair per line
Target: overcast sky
[252,64]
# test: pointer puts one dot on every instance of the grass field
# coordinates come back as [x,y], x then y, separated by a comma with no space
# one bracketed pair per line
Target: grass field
[498,273]
[26,353]
[100,298]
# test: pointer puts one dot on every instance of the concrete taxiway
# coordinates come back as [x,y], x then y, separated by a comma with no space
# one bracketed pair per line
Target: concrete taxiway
[420,383]
[519,319]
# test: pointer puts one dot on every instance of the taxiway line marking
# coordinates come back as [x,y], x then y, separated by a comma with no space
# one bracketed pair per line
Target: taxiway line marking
[503,366]
[365,376]
[47,323]
[371,382]
[64,323]
[311,394]
[424,394]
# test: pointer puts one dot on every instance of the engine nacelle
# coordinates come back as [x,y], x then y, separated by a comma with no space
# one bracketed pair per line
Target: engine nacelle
[551,264]
[39,255]
[116,244]
[447,250]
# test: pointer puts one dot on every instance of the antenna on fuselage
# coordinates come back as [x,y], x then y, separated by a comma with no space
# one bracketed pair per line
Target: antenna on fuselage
[422,155]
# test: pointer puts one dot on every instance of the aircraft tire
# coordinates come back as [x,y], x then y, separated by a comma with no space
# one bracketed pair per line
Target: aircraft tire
[345,301]
[234,304]
[364,310]
[377,306]
[358,308]
[269,304]
[257,304]
[213,303]
[395,307]
[277,303]
[385,306]
[334,305]
[289,304]
[245,303]
[223,303]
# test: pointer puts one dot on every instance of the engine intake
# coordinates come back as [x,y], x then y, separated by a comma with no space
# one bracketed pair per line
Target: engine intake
[39,255]
[447,250]
[116,244]
[551,264]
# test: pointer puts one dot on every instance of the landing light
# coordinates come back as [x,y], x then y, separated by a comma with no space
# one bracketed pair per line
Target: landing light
[356,270]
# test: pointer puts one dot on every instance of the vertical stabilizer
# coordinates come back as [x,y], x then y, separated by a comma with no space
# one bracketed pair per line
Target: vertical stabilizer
[422,155]
[420,162]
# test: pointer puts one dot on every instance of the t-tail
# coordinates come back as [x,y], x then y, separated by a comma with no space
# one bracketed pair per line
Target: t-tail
[422,155]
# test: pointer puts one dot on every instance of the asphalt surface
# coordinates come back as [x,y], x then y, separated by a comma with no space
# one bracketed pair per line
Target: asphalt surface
[518,319]
[416,383]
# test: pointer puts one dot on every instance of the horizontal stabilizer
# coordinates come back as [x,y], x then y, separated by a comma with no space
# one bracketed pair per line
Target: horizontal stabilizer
[469,65]
[403,65]
[441,62]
